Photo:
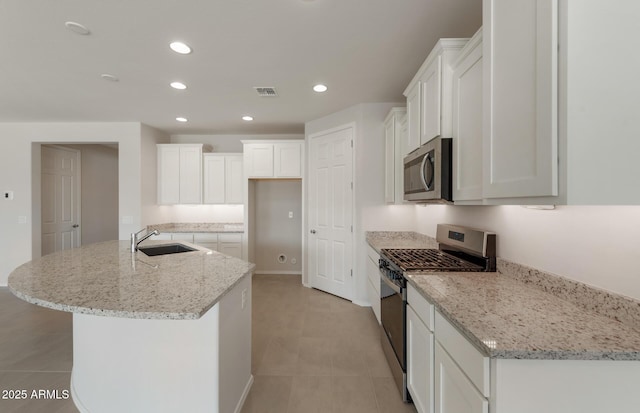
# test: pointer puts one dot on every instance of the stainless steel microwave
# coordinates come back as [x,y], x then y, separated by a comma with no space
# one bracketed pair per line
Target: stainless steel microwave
[427,172]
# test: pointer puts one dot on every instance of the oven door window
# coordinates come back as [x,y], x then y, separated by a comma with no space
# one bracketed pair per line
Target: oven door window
[391,310]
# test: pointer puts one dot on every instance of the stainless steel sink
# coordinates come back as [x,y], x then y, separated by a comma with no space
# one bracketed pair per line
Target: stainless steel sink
[165,249]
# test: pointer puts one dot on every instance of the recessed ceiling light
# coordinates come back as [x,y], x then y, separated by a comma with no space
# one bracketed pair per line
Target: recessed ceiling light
[180,47]
[77,28]
[181,119]
[320,88]
[178,85]
[247,118]
[110,78]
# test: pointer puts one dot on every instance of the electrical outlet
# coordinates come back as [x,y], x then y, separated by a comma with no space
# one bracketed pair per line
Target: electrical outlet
[244,298]
[290,214]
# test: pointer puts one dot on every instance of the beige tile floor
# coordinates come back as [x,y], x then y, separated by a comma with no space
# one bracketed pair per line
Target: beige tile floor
[35,354]
[312,352]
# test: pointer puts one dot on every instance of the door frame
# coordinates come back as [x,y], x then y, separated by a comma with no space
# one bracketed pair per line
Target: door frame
[305,225]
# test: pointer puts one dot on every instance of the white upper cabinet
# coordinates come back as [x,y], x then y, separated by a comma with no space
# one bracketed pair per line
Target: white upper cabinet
[233,173]
[429,95]
[179,173]
[431,100]
[258,158]
[393,129]
[287,160]
[521,98]
[412,138]
[273,159]
[467,122]
[222,178]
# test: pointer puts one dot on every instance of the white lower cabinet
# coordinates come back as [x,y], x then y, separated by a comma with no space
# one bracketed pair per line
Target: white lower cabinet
[373,276]
[230,244]
[420,362]
[454,391]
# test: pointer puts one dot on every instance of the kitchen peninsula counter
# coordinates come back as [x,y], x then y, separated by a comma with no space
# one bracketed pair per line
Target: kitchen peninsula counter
[107,279]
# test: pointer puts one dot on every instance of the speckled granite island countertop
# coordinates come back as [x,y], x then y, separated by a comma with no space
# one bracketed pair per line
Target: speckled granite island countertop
[521,313]
[107,279]
[233,227]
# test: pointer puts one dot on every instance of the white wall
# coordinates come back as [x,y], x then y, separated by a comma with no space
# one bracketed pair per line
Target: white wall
[20,146]
[596,245]
[274,232]
[99,192]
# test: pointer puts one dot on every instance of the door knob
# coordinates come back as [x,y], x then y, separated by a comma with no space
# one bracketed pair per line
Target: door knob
[75,226]
[313,231]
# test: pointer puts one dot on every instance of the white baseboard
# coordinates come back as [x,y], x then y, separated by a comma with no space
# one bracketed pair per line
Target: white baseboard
[278,272]
[245,393]
[362,303]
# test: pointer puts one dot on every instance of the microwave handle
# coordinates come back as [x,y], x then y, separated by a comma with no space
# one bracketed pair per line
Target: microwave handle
[426,158]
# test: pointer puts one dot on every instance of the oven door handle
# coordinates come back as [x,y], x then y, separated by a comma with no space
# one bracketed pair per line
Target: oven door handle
[391,285]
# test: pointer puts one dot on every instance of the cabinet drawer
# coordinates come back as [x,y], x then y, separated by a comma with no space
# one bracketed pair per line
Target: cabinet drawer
[182,236]
[205,237]
[373,254]
[230,237]
[423,308]
[473,363]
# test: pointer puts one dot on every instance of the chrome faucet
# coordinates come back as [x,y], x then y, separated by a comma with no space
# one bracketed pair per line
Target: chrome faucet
[135,241]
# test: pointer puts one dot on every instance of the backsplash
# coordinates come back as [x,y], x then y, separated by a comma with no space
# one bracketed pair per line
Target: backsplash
[616,306]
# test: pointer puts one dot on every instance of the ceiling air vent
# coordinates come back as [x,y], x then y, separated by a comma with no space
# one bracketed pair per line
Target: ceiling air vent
[266,91]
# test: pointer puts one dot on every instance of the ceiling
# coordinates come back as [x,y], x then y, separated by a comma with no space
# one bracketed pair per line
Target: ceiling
[363,50]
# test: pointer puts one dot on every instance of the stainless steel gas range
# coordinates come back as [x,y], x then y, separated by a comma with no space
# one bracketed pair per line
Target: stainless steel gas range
[459,249]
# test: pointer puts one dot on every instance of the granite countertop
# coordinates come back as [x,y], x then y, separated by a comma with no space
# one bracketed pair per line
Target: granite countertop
[107,279]
[232,227]
[505,317]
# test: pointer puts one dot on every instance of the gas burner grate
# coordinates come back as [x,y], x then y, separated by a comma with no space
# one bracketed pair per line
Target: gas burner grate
[428,260]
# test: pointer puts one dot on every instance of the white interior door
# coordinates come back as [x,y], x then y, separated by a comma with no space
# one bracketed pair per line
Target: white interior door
[60,190]
[330,212]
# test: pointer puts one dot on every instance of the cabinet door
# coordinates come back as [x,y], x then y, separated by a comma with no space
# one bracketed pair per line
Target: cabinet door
[389,160]
[431,99]
[373,274]
[467,124]
[454,393]
[401,139]
[520,66]
[233,249]
[168,174]
[413,119]
[419,362]
[182,236]
[191,174]
[259,159]
[214,179]
[206,239]
[233,179]
[287,160]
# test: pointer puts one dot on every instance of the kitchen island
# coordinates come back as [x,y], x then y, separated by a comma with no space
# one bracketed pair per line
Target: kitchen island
[163,334]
